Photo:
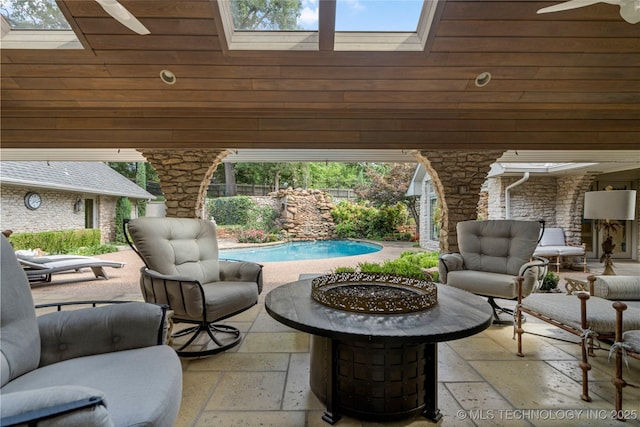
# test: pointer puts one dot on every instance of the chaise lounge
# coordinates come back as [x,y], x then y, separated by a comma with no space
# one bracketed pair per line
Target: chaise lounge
[42,268]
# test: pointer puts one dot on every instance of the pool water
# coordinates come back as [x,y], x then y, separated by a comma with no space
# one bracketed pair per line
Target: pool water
[297,251]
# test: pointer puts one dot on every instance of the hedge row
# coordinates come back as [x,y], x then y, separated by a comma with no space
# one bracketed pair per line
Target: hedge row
[56,242]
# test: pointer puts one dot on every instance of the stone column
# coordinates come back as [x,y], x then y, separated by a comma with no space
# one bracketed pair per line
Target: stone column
[184,177]
[457,177]
[570,206]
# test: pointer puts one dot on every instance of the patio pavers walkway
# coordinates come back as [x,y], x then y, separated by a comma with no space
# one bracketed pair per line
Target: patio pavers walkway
[264,381]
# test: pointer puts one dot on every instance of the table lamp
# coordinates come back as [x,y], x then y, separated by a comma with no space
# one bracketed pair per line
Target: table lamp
[606,206]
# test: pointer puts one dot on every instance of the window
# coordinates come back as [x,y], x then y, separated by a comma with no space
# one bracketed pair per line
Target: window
[378,16]
[344,25]
[35,24]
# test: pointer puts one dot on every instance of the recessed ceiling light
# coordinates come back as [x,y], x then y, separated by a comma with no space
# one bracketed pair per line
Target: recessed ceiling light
[168,77]
[483,79]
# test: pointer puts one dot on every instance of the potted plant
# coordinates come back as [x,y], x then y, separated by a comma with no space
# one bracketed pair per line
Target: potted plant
[550,282]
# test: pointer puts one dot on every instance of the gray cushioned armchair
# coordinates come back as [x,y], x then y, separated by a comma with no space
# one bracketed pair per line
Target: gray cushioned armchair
[183,271]
[493,255]
[103,366]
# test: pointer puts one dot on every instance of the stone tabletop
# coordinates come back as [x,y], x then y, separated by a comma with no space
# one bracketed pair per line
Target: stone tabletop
[456,315]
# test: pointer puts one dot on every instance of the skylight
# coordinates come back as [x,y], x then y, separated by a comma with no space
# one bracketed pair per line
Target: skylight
[347,25]
[33,15]
[378,15]
[35,24]
[272,15]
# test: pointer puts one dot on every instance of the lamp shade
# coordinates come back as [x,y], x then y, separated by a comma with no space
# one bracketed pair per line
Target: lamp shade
[613,204]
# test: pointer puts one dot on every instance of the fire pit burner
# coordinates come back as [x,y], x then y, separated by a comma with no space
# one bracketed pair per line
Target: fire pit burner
[373,293]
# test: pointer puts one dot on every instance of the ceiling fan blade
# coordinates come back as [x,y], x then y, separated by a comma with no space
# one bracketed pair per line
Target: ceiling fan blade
[122,15]
[630,12]
[571,4]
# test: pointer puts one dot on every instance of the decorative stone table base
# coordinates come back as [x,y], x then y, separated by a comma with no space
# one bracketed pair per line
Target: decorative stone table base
[374,381]
[367,365]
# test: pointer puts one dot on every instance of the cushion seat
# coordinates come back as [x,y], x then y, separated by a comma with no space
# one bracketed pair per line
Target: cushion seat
[488,284]
[229,297]
[566,310]
[632,340]
[131,374]
[559,250]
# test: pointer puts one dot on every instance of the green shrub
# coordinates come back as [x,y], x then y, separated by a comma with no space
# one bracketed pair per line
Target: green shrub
[357,220]
[409,264]
[230,210]
[57,242]
[94,250]
[123,211]
[549,282]
[262,217]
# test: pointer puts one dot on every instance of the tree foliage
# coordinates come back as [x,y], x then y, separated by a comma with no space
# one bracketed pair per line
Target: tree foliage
[390,187]
[302,174]
[266,14]
[130,170]
[123,211]
[33,14]
[141,180]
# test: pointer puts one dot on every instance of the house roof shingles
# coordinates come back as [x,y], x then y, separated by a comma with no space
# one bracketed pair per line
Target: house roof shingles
[86,177]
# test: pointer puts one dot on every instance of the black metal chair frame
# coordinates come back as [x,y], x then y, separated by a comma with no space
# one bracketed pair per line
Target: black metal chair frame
[201,326]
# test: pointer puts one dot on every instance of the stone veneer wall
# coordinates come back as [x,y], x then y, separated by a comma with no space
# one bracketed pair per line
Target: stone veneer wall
[55,213]
[556,200]
[457,177]
[105,207]
[305,214]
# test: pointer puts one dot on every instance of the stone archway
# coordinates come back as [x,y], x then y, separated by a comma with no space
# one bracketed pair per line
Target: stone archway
[457,177]
[184,177]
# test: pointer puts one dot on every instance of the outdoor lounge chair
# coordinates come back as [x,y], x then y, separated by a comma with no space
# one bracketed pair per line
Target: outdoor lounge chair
[493,254]
[183,270]
[41,268]
[102,366]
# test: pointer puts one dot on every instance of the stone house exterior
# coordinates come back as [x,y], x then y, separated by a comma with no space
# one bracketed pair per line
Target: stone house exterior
[49,196]
[556,199]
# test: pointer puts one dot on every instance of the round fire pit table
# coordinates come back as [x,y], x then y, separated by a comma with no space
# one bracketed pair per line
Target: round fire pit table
[377,366]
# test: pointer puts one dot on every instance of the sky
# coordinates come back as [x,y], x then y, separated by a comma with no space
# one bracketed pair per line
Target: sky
[366,15]
[354,15]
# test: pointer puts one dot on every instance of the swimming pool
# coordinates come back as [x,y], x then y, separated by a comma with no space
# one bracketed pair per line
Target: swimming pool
[303,250]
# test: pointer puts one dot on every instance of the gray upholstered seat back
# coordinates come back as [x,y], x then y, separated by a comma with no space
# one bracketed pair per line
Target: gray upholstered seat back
[553,237]
[185,247]
[19,336]
[498,246]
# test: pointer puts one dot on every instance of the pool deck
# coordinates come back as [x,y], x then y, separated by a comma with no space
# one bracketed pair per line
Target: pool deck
[123,282]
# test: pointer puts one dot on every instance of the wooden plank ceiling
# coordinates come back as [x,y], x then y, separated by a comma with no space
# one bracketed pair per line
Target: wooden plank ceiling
[567,80]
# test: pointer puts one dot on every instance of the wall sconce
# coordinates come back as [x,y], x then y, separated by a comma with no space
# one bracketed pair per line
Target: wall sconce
[78,206]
